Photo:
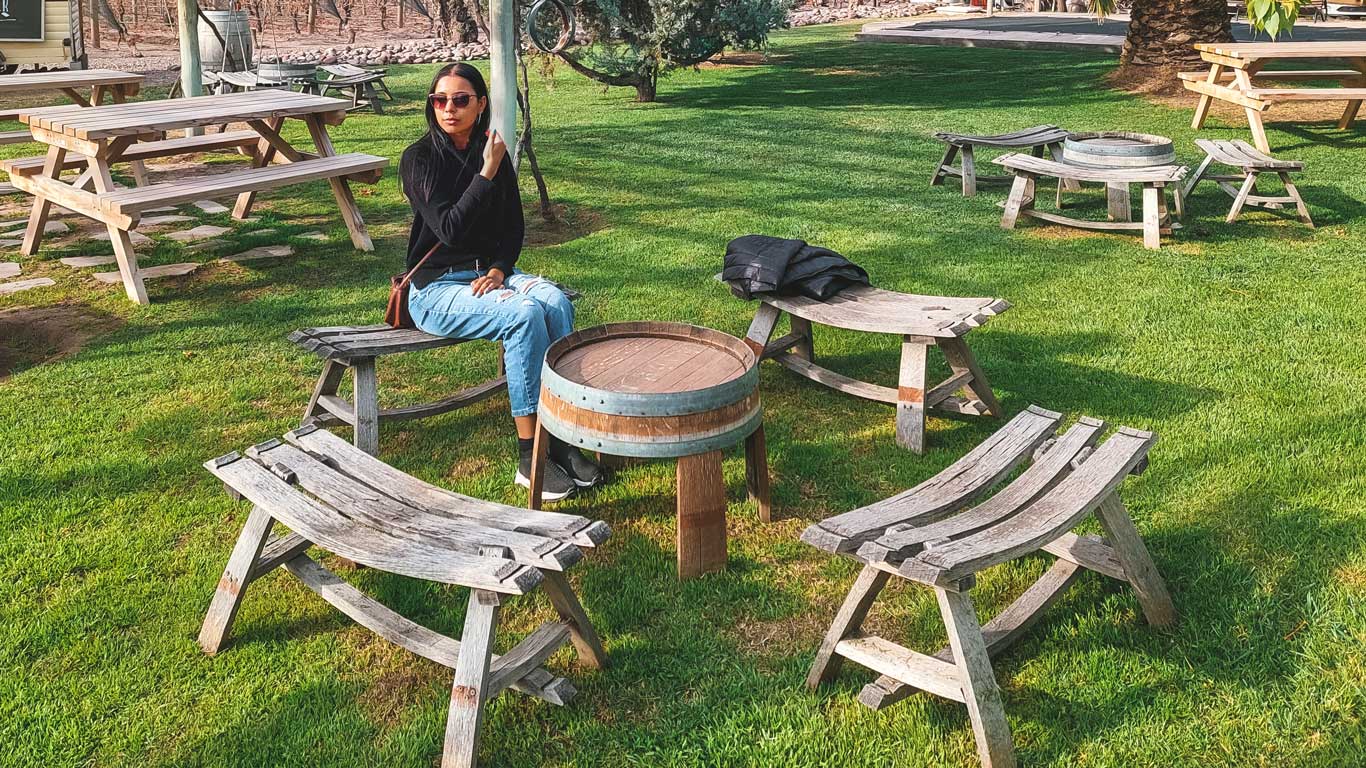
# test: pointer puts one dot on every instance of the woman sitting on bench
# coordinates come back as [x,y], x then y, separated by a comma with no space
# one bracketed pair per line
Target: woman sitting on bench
[467,214]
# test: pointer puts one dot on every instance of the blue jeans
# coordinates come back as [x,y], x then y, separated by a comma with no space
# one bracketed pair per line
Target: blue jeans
[526,315]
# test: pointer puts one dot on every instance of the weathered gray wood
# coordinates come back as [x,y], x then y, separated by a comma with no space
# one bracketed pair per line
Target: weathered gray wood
[327,386]
[910,401]
[1152,217]
[1027,137]
[1018,162]
[1020,191]
[236,576]
[836,381]
[867,308]
[529,654]
[806,349]
[470,688]
[847,621]
[969,171]
[761,327]
[910,667]
[1138,564]
[940,171]
[961,360]
[1088,552]
[365,401]
[1241,199]
[980,692]
[1118,205]
[278,551]
[756,473]
[567,605]
[1294,193]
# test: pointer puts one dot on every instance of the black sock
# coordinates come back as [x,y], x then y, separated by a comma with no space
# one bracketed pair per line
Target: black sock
[525,445]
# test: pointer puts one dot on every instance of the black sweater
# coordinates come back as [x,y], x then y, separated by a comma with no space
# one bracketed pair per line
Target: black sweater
[477,222]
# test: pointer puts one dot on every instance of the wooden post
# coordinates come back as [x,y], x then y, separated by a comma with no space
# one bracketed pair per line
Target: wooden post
[503,72]
[850,617]
[910,396]
[469,690]
[980,691]
[228,596]
[191,75]
[701,515]
[312,17]
[365,405]
[95,23]
[401,15]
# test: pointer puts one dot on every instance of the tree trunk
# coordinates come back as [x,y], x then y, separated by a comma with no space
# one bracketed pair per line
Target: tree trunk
[647,84]
[1164,32]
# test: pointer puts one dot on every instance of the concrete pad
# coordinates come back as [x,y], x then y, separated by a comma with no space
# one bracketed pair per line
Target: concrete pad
[313,236]
[9,269]
[80,262]
[260,232]
[151,273]
[11,243]
[136,238]
[157,221]
[200,232]
[162,209]
[262,252]
[209,206]
[24,285]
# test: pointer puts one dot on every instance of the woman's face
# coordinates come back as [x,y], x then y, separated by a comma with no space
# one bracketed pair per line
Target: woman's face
[454,119]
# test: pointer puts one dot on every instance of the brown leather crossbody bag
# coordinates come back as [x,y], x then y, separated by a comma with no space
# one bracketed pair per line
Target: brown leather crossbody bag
[396,313]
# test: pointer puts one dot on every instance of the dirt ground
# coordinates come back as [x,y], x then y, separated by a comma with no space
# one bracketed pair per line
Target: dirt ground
[34,335]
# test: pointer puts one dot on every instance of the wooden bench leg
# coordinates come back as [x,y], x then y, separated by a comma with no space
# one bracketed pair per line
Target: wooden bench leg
[761,328]
[123,244]
[1021,197]
[1055,154]
[328,384]
[847,621]
[373,98]
[346,202]
[231,587]
[581,631]
[1138,564]
[1294,192]
[1199,174]
[1202,107]
[980,691]
[756,473]
[365,405]
[806,348]
[910,395]
[969,172]
[42,207]
[469,689]
[1117,201]
[1152,216]
[941,170]
[961,359]
[261,156]
[1238,202]
[540,454]
[701,515]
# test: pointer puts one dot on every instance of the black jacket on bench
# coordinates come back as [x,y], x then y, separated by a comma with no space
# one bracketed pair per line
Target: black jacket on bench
[763,264]
[478,222]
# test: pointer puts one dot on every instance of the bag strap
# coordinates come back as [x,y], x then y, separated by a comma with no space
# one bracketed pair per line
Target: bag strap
[409,276]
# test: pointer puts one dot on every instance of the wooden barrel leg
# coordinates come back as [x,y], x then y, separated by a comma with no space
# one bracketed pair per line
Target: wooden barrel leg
[806,348]
[961,359]
[1152,217]
[1021,189]
[847,621]
[910,395]
[1294,193]
[232,586]
[1117,201]
[581,631]
[756,473]
[1238,202]
[969,172]
[941,170]
[540,454]
[980,691]
[1138,564]
[327,385]
[469,689]
[701,515]
[365,405]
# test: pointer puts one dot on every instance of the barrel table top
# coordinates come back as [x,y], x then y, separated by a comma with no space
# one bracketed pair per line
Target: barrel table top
[649,364]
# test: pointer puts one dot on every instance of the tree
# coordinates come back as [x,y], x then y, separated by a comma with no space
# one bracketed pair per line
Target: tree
[632,41]
[1164,32]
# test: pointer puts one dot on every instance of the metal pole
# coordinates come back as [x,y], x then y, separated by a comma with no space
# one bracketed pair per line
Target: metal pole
[191,75]
[503,71]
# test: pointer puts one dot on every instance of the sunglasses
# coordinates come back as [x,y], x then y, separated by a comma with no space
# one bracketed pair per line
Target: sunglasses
[460,100]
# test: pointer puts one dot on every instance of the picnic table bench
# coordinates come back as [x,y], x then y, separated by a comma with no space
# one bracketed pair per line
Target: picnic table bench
[921,322]
[100,137]
[1235,69]
[332,495]
[944,531]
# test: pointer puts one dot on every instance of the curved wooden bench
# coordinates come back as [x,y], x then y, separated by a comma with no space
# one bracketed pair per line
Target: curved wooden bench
[920,321]
[1154,179]
[939,535]
[331,495]
[1036,139]
[1250,161]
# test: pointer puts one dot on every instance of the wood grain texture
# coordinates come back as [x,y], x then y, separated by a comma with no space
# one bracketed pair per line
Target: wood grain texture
[701,515]
[848,620]
[980,692]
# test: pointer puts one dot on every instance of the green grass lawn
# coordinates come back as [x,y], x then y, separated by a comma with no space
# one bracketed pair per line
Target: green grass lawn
[1241,345]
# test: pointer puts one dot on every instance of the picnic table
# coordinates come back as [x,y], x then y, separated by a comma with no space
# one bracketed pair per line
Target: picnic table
[97,138]
[102,84]
[1236,70]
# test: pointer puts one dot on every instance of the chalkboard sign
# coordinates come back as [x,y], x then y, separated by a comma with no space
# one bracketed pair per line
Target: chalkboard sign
[21,20]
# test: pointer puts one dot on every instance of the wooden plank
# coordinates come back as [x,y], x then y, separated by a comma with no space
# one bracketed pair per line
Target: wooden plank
[471,688]
[701,515]
[1044,167]
[980,692]
[1138,564]
[910,404]
[529,654]
[227,597]
[35,82]
[1307,94]
[848,619]
[916,669]
[837,381]
[866,308]
[581,631]
[1230,95]
[341,191]
[1089,552]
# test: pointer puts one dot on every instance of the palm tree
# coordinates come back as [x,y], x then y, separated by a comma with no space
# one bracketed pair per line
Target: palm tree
[1163,32]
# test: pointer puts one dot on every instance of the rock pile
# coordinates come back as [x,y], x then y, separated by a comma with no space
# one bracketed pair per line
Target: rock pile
[806,15]
[432,51]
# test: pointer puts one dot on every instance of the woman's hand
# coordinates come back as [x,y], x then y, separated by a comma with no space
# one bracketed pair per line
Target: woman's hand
[494,149]
[490,281]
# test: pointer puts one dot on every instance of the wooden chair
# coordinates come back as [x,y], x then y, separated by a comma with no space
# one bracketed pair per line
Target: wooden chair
[1250,162]
[331,495]
[1036,139]
[921,322]
[356,348]
[941,533]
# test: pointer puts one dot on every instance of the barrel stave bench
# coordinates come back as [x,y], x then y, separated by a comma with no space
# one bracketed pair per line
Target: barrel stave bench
[941,533]
[1250,161]
[331,494]
[1035,139]
[1157,220]
[921,322]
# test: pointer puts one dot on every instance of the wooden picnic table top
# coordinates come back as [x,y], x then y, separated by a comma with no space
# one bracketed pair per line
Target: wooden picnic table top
[82,78]
[146,117]
[1306,50]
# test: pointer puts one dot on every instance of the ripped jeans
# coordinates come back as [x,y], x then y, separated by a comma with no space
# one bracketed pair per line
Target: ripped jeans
[526,315]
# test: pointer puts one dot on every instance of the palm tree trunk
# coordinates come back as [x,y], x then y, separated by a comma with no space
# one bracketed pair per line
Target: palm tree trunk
[1163,32]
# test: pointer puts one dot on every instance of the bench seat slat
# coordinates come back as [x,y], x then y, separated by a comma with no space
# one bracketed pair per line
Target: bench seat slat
[956,486]
[1043,167]
[1240,154]
[1308,94]
[365,544]
[1039,134]
[866,308]
[376,474]
[15,137]
[146,150]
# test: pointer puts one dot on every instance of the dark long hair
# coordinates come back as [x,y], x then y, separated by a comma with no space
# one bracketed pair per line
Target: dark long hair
[440,141]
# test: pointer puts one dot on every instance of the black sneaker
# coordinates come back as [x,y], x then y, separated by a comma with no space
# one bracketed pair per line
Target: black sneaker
[556,484]
[582,470]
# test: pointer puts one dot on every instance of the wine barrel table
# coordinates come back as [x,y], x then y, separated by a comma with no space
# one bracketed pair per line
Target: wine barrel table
[660,390]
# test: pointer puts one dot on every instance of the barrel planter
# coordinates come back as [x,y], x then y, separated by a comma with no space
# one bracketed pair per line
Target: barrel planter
[235,28]
[1116,149]
[286,72]
[661,390]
